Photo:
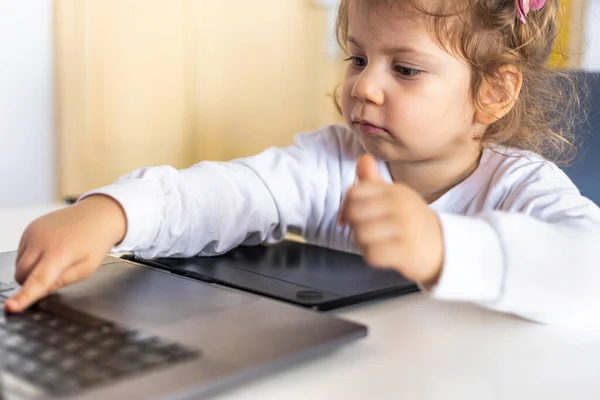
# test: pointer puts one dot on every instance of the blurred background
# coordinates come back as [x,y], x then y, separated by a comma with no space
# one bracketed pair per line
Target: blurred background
[91,89]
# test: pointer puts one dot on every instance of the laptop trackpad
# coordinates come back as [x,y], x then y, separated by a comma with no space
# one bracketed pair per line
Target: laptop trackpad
[141,297]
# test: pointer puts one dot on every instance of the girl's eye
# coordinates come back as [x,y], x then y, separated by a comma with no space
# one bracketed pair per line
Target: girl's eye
[357,62]
[406,71]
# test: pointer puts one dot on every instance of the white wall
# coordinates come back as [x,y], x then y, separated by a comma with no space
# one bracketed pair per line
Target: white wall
[27,133]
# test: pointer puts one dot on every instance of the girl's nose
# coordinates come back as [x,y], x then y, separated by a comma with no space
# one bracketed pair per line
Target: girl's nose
[368,88]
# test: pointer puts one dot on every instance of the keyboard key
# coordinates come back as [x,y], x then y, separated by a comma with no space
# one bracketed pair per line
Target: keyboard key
[67,363]
[31,347]
[46,377]
[49,356]
[37,332]
[92,353]
[17,325]
[37,316]
[55,339]
[24,368]
[14,340]
[54,323]
[73,345]
[109,342]
[73,329]
[12,359]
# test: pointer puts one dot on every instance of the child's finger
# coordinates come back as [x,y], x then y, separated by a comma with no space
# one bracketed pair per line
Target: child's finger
[366,209]
[360,190]
[384,254]
[37,285]
[375,231]
[367,170]
[25,263]
[75,273]
[356,191]
[368,189]
[21,251]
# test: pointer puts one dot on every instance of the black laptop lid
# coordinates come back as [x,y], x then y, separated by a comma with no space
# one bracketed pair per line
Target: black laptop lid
[299,273]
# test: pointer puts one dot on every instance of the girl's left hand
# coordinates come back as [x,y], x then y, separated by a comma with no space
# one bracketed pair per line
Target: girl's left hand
[393,226]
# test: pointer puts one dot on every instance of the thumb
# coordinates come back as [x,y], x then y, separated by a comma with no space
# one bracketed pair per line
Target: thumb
[367,170]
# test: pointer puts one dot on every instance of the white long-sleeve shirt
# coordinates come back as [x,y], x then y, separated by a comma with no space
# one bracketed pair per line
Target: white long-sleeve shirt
[518,236]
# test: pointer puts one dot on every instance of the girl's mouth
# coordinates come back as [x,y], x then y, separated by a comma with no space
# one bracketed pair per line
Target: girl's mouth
[369,129]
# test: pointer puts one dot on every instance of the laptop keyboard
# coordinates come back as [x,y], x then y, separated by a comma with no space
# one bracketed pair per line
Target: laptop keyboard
[63,351]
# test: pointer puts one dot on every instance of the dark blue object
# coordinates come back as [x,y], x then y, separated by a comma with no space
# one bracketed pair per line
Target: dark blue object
[585,169]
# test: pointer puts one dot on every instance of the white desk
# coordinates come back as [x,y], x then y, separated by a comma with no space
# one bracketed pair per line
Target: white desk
[418,348]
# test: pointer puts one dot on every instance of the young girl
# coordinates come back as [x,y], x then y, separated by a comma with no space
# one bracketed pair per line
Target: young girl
[441,172]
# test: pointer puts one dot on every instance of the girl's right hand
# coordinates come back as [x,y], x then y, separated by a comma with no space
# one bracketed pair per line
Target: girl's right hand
[65,247]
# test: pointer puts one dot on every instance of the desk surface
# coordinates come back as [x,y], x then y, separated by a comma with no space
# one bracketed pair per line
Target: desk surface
[419,348]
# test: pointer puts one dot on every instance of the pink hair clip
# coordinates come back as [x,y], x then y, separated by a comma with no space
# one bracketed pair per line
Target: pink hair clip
[523,7]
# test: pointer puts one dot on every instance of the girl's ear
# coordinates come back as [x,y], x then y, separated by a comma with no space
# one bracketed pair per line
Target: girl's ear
[498,95]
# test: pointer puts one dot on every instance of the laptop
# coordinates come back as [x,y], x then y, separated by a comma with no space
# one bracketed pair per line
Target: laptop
[298,273]
[133,331]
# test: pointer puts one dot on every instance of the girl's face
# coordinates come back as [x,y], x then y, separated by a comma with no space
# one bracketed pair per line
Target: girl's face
[406,98]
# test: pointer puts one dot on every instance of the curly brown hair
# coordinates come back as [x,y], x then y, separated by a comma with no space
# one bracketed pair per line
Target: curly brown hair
[487,34]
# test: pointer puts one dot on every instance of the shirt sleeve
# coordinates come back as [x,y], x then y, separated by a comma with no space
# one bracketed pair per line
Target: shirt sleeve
[214,206]
[536,256]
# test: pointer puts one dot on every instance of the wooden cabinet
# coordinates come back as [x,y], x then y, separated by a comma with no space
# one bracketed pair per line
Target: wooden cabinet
[149,82]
